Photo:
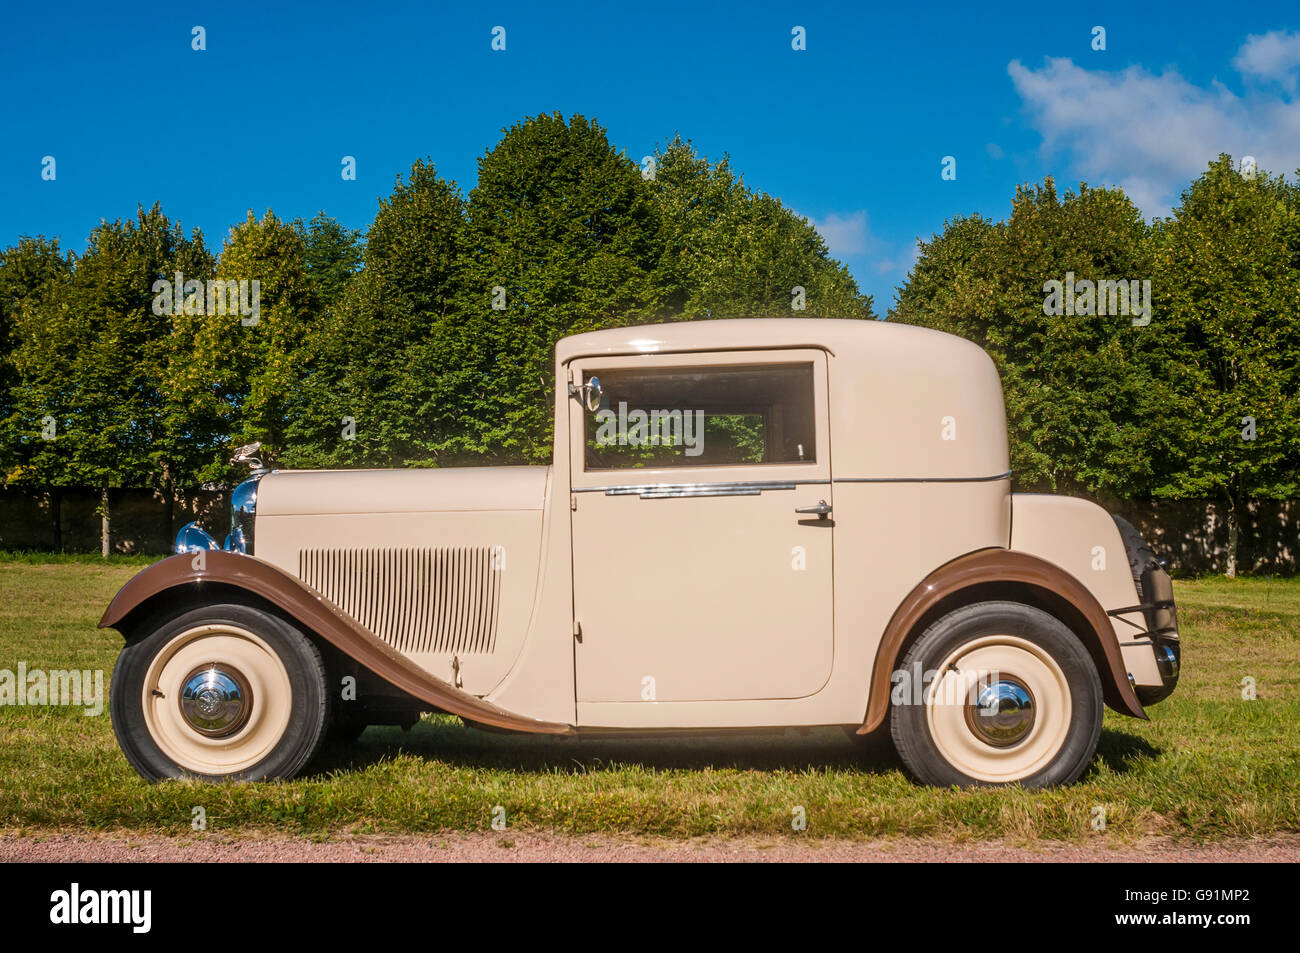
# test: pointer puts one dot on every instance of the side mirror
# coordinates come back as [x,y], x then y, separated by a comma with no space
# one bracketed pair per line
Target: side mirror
[589,393]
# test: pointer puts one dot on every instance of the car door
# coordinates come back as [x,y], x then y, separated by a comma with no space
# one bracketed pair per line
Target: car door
[696,576]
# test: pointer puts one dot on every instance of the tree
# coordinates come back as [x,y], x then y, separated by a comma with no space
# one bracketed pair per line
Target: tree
[27,270]
[729,252]
[1228,278]
[90,361]
[949,285]
[332,253]
[1082,400]
[563,237]
[374,391]
[237,354]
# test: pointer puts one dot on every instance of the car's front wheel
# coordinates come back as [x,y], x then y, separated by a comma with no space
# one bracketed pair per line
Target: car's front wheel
[997,693]
[220,692]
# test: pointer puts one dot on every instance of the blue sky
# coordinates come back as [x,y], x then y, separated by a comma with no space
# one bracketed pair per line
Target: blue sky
[850,132]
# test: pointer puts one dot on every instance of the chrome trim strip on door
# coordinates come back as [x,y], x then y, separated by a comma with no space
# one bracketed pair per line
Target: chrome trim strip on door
[658,491]
[673,492]
[979,479]
[663,491]
[704,491]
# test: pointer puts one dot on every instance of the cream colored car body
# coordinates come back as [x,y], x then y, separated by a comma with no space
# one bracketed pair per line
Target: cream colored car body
[626,599]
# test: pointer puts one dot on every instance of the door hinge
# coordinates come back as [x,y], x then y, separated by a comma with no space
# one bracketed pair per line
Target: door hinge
[577,630]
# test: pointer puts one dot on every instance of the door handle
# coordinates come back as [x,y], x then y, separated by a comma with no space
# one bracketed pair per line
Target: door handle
[822,509]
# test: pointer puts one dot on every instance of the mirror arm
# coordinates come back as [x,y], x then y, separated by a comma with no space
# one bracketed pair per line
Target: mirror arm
[583,392]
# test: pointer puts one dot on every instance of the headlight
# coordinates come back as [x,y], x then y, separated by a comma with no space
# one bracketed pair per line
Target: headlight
[243,510]
[192,539]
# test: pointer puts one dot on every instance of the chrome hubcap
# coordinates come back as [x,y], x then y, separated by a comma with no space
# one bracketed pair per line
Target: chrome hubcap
[216,701]
[1003,713]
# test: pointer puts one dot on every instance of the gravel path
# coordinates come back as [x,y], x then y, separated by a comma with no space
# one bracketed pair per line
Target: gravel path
[521,846]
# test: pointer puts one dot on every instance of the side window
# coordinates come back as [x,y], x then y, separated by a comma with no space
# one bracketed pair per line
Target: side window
[732,415]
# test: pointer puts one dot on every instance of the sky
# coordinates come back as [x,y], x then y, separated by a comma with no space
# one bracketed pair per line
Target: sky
[851,131]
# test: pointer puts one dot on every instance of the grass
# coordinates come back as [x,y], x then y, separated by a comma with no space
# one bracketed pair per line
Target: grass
[1208,766]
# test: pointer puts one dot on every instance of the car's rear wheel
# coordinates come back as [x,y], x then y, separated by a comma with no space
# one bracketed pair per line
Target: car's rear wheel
[221,692]
[1007,695]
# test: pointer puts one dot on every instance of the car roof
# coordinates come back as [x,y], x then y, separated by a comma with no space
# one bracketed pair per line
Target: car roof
[840,336]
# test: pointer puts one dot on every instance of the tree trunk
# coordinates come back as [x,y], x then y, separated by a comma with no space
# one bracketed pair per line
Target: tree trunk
[103,520]
[169,496]
[56,517]
[1234,535]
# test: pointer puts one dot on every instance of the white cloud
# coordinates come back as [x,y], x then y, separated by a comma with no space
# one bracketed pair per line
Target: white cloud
[849,236]
[1273,56]
[845,234]
[869,257]
[1152,134]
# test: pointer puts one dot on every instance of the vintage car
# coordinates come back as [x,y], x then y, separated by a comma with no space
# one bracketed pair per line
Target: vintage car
[777,523]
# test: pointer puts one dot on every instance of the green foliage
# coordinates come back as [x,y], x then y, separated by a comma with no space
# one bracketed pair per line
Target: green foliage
[91,356]
[1228,267]
[568,232]
[231,377]
[374,359]
[728,252]
[1080,396]
[27,272]
[332,253]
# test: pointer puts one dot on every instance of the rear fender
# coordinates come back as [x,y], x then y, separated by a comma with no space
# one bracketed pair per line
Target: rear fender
[995,573]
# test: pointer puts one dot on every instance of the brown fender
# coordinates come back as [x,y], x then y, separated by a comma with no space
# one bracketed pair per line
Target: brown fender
[319,616]
[1004,568]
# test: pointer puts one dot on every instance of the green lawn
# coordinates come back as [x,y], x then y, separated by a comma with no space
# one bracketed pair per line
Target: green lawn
[1209,765]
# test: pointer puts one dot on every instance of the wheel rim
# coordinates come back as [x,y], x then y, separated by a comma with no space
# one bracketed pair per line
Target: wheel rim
[998,708]
[1003,713]
[217,699]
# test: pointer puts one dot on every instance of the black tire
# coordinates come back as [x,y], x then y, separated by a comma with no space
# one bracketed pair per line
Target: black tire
[910,722]
[308,711]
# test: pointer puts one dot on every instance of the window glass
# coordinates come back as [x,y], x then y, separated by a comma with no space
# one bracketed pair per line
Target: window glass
[702,417]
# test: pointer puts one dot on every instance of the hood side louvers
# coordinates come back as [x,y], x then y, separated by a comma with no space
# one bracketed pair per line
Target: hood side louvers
[417,600]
